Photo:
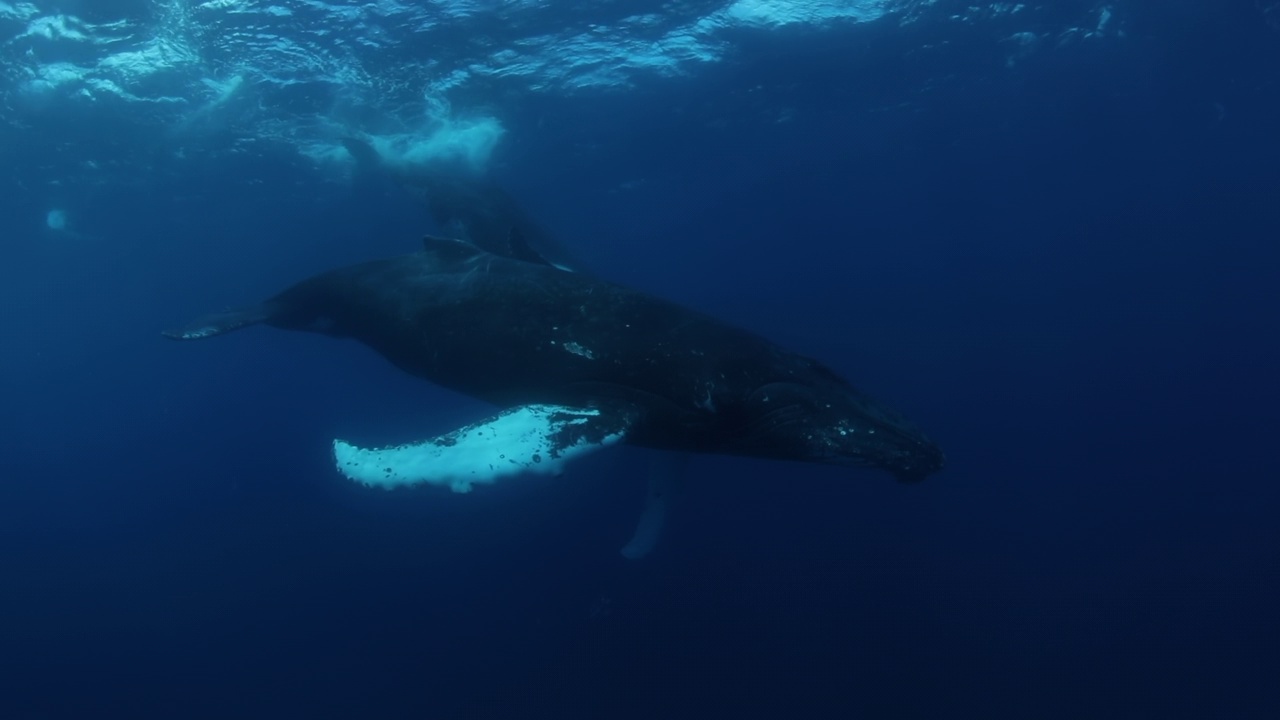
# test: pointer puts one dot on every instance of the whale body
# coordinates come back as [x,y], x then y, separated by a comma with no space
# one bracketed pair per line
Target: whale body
[576,363]
[650,372]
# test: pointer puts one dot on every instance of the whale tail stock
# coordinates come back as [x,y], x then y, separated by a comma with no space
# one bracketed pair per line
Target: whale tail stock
[366,157]
[221,323]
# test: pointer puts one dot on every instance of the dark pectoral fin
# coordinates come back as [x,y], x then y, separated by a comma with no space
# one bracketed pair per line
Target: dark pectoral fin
[666,474]
[220,323]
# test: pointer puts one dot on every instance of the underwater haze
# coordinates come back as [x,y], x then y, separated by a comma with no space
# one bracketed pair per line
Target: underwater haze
[1046,232]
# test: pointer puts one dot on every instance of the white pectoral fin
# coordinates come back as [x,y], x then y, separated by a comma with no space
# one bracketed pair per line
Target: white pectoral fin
[537,439]
[666,473]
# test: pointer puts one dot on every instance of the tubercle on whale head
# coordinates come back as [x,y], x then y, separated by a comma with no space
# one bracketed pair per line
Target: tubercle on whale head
[837,425]
[873,437]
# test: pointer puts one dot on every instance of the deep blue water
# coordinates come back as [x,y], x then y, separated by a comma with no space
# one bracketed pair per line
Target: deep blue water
[1060,260]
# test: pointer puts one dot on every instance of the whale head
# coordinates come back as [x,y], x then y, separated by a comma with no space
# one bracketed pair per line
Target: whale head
[830,422]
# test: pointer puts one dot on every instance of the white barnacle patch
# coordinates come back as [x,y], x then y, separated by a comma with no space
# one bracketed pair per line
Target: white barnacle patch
[536,439]
[198,333]
[706,402]
[579,350]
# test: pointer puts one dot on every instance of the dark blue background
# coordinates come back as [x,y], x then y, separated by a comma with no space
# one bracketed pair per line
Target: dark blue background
[1066,273]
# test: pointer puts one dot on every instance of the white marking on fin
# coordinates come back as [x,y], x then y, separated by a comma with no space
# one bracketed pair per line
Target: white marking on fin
[577,349]
[537,439]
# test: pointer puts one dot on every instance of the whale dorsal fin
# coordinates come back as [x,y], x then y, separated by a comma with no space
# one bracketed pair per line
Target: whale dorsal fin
[458,250]
[522,250]
[450,248]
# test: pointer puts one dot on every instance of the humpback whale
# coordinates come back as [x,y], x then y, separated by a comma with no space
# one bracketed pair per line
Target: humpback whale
[575,364]
[467,207]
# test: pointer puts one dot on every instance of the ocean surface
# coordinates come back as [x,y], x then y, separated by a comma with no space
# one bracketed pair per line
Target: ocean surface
[1047,232]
